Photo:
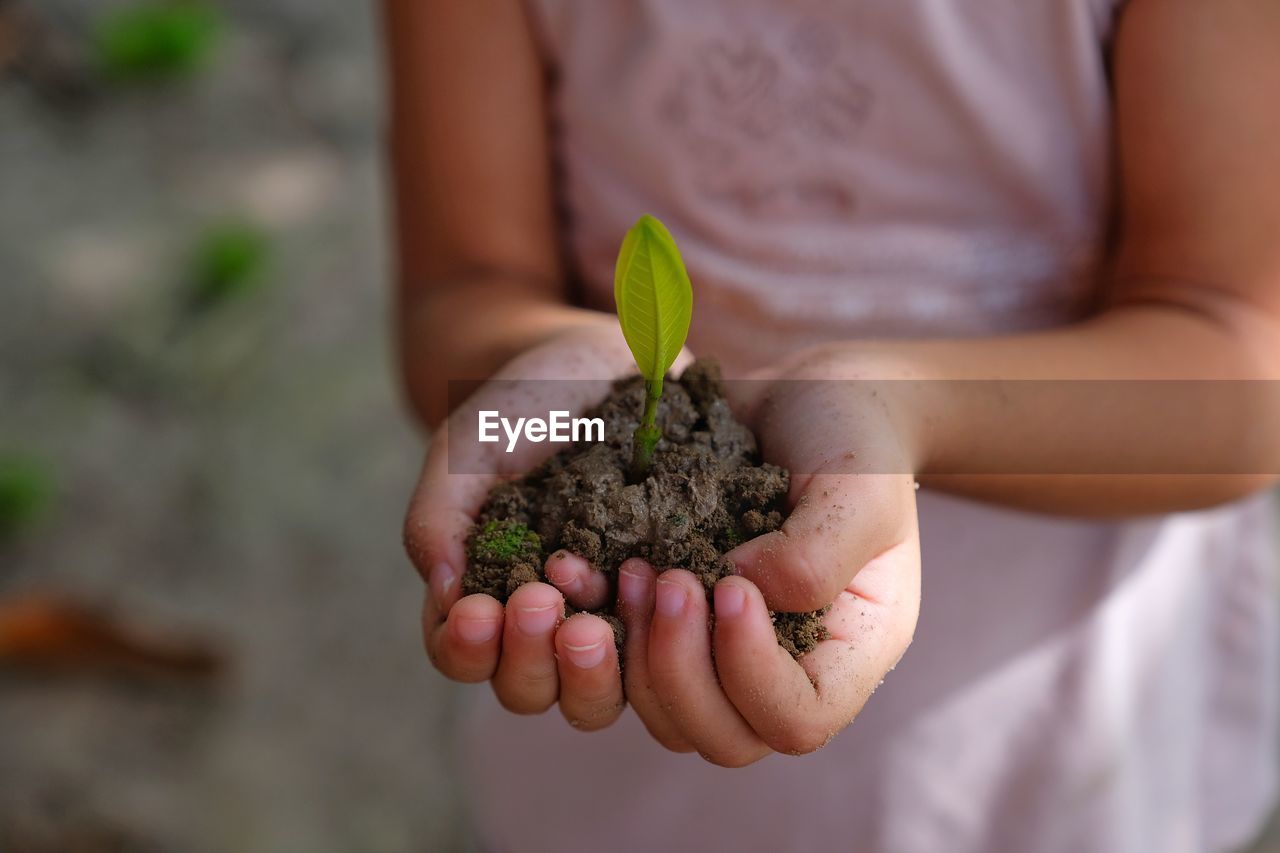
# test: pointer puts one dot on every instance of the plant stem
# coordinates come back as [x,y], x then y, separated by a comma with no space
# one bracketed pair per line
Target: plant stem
[647,434]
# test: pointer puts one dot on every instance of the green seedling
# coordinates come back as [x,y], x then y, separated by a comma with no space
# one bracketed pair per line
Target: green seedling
[655,304]
[157,40]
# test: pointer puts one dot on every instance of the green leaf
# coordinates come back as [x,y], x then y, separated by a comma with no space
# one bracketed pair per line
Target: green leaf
[653,295]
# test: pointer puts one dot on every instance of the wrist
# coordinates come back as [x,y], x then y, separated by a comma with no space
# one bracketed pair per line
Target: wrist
[499,336]
[892,386]
[468,334]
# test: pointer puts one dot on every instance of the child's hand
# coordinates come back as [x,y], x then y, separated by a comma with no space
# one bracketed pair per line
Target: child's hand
[732,693]
[530,653]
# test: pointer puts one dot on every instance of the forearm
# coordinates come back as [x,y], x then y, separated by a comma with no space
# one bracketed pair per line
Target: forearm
[1009,419]
[479,266]
[467,330]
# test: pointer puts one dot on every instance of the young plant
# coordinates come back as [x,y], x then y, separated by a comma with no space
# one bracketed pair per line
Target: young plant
[655,303]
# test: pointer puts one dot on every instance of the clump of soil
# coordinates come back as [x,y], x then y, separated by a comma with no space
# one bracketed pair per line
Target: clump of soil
[707,492]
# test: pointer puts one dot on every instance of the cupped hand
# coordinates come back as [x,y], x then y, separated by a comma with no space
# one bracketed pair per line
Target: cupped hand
[851,541]
[530,653]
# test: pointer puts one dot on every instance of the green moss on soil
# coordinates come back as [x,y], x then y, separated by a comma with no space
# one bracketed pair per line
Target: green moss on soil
[505,540]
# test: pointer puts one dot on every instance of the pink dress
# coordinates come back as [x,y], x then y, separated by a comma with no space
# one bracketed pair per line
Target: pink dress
[844,168]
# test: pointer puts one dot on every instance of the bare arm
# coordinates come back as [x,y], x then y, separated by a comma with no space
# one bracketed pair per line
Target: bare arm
[480,276]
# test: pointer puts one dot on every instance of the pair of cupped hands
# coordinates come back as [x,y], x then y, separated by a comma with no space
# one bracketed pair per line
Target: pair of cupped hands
[724,687]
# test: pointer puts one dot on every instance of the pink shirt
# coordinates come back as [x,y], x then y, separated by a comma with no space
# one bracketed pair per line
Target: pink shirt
[844,168]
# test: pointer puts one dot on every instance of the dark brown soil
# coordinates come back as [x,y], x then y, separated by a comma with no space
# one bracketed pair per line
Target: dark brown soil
[707,492]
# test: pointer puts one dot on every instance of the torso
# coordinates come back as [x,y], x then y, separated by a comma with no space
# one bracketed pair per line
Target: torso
[835,169]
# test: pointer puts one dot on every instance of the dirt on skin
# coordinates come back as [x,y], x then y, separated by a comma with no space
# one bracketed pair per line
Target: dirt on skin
[706,493]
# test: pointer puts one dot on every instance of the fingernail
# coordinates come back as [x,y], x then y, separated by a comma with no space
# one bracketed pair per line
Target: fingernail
[534,621]
[440,581]
[561,573]
[671,598]
[476,630]
[730,600]
[585,657]
[631,586]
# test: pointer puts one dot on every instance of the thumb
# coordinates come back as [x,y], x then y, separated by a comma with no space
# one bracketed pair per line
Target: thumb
[839,523]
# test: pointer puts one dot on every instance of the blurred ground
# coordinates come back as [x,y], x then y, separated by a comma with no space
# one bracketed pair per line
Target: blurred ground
[235,471]
[240,473]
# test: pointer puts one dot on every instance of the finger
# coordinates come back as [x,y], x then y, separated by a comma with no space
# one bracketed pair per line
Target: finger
[684,677]
[635,605]
[526,681]
[797,707]
[465,646]
[443,590]
[583,586]
[758,675]
[590,683]
[840,522]
[440,514]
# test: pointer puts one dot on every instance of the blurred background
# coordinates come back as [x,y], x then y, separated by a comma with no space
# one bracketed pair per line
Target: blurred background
[208,632]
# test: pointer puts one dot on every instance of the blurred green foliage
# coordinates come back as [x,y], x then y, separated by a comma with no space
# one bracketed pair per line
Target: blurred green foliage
[26,492]
[157,40]
[228,264]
